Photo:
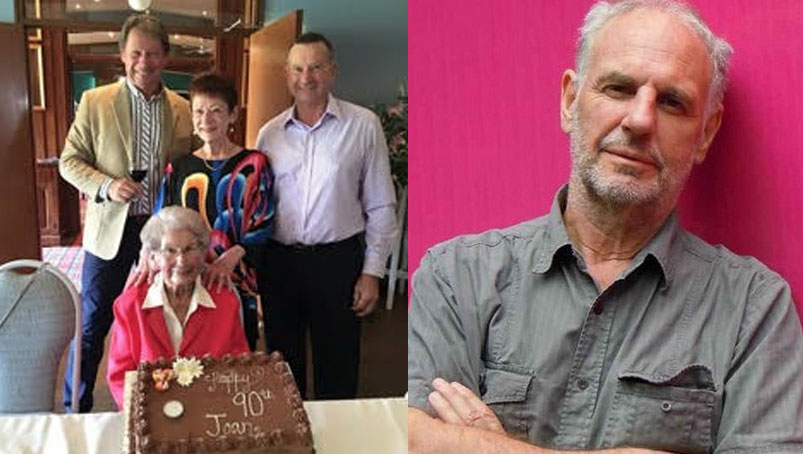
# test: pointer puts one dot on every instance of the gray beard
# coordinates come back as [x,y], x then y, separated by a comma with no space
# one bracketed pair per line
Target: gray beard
[614,193]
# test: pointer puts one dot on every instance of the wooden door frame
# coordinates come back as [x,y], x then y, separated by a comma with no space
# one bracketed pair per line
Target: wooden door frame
[18,195]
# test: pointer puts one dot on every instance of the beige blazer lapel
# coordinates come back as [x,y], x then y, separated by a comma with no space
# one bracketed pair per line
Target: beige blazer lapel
[122,116]
[168,125]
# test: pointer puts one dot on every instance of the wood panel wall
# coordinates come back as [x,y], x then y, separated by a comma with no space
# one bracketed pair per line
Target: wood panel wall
[19,233]
[58,201]
[230,56]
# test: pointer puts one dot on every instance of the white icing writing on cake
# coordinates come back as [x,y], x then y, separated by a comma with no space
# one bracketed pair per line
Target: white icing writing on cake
[252,404]
[233,381]
[223,428]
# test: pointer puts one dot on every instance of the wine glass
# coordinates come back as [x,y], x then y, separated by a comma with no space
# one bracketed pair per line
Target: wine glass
[138,174]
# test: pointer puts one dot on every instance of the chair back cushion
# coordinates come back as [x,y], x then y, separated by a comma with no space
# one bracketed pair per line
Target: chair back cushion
[32,339]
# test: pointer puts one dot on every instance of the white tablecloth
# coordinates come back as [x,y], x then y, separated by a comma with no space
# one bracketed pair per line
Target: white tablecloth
[369,426]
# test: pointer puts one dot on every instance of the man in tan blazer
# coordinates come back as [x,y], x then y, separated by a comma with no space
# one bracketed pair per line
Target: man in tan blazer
[116,150]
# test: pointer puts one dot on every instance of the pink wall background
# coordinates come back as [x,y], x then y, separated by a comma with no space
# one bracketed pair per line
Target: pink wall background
[487,149]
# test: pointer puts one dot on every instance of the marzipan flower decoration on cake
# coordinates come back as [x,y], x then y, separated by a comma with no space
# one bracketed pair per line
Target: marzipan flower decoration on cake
[161,378]
[187,370]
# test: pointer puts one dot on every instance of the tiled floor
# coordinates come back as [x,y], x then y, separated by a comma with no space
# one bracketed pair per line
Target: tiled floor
[68,259]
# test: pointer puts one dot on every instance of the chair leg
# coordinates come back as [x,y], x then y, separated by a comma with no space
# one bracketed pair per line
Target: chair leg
[403,267]
[393,273]
[401,216]
[391,288]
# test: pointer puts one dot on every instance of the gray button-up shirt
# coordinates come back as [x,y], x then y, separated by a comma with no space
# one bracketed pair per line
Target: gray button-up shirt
[692,349]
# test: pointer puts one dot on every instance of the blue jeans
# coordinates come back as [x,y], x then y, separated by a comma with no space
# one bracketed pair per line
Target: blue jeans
[101,283]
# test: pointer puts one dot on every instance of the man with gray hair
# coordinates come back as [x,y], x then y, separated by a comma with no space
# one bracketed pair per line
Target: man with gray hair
[604,324]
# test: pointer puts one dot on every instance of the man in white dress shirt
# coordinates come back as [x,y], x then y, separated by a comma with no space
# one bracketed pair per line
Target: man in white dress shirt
[335,220]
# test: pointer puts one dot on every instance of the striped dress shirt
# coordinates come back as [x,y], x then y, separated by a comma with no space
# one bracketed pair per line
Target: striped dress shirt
[146,129]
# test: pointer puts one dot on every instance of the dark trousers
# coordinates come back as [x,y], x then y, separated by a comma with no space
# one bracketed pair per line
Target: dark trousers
[250,319]
[101,283]
[314,287]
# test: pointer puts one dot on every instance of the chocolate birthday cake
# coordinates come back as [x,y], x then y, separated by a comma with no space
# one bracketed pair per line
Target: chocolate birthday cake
[244,404]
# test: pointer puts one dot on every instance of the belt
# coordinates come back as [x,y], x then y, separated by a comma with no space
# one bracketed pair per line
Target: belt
[311,248]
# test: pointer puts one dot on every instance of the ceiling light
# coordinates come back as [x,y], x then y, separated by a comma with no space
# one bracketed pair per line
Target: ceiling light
[139,5]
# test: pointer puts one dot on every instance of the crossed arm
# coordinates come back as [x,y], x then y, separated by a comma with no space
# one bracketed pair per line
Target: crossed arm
[463,423]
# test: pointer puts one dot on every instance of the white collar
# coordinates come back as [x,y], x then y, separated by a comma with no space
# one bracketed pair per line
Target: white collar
[138,93]
[332,110]
[157,296]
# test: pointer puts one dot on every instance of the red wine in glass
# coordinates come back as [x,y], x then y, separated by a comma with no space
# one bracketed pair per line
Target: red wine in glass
[138,174]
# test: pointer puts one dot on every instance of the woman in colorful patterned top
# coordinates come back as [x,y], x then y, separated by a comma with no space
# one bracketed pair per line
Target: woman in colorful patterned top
[232,189]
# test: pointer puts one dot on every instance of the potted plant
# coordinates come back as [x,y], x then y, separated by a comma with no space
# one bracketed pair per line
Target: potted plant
[394,123]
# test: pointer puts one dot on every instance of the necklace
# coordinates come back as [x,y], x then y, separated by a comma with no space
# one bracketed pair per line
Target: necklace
[213,167]
[230,151]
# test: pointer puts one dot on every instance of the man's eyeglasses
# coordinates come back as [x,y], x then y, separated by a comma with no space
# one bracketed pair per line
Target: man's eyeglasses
[315,68]
[171,253]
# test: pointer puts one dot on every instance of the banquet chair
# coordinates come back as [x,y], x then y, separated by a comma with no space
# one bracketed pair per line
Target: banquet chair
[39,313]
[398,271]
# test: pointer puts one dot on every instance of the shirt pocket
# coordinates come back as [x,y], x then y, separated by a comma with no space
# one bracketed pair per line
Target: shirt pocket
[506,393]
[673,414]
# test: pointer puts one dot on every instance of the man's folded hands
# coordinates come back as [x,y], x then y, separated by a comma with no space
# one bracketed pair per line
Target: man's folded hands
[458,405]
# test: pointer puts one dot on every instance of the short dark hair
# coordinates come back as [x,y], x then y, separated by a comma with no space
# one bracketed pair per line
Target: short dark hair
[148,24]
[312,37]
[214,84]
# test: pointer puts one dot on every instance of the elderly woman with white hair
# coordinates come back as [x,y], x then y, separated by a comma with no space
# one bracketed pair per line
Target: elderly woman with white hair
[175,315]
